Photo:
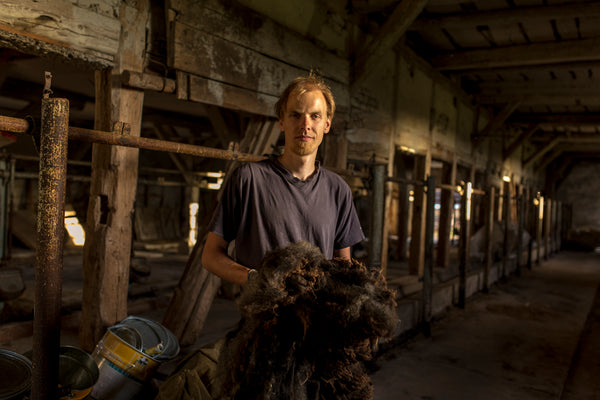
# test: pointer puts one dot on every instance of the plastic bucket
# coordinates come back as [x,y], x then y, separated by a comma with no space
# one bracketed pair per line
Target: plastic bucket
[15,375]
[128,355]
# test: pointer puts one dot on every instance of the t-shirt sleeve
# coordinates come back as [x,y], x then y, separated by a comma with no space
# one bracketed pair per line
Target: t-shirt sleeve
[348,229]
[228,210]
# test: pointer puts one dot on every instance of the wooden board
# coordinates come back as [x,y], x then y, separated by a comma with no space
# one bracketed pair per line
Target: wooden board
[63,24]
[247,28]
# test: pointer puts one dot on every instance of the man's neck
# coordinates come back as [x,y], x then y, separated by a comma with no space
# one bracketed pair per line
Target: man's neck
[302,167]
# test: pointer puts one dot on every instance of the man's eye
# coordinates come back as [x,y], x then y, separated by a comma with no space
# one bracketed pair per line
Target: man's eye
[316,116]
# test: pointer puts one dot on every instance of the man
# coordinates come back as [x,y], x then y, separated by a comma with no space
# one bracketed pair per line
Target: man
[279,201]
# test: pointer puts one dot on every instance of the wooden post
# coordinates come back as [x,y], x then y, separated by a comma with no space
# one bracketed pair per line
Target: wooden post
[446,211]
[428,265]
[520,220]
[547,227]
[378,173]
[107,248]
[417,247]
[506,224]
[489,229]
[529,218]
[49,253]
[465,235]
[539,225]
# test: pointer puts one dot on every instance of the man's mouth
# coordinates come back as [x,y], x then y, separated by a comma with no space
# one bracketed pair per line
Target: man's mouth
[304,138]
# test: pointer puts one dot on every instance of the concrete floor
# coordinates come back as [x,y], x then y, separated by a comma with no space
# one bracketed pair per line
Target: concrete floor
[533,336]
[528,338]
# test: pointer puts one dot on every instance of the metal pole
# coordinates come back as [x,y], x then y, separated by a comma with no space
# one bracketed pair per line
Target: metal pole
[428,266]
[377,210]
[49,255]
[489,229]
[465,234]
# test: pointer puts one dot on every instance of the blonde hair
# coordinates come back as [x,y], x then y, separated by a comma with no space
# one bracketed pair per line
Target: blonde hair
[301,85]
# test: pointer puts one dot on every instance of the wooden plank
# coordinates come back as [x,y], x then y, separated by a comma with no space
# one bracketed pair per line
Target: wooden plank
[242,26]
[107,249]
[511,56]
[519,141]
[446,211]
[220,94]
[64,24]
[213,60]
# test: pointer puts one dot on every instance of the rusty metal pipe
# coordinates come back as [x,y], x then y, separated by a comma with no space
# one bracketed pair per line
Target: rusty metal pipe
[14,125]
[49,254]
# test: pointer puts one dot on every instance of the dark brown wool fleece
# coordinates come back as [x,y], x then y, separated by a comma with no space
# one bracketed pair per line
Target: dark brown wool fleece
[306,329]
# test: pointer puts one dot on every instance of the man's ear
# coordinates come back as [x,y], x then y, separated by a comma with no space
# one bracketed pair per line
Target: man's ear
[281,124]
[327,125]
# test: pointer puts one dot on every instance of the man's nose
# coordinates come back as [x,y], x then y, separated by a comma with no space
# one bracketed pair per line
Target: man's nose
[306,122]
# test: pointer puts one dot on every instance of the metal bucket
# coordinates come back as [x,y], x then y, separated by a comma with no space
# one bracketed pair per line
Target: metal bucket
[77,373]
[15,375]
[128,355]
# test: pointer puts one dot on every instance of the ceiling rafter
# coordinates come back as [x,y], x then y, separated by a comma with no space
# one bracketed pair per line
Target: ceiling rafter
[511,16]
[520,55]
[386,37]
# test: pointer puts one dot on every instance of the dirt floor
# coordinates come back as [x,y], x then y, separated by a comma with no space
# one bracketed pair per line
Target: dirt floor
[529,338]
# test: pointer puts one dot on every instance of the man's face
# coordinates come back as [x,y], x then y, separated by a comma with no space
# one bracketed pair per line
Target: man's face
[304,122]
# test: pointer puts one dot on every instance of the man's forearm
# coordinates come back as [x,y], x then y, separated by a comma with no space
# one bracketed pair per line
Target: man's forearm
[216,260]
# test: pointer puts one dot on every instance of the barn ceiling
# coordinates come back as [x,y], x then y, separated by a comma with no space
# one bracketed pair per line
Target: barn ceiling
[534,63]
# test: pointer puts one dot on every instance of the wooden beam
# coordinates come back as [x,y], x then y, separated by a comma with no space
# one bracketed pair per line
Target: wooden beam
[592,119]
[535,99]
[526,134]
[496,122]
[539,153]
[512,16]
[107,249]
[573,88]
[386,37]
[258,32]
[521,55]
[59,26]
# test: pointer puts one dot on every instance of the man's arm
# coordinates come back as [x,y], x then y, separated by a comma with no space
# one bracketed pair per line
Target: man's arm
[216,260]
[342,253]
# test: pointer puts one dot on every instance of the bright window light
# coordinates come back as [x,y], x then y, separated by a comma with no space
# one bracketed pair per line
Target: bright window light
[193,236]
[74,228]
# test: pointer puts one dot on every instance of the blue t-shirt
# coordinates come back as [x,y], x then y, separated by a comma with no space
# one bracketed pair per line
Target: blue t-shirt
[264,207]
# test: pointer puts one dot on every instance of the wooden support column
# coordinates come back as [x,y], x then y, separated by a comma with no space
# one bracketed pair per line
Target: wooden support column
[529,219]
[465,235]
[489,243]
[547,227]
[107,249]
[520,194]
[446,212]
[428,265]
[506,224]
[378,174]
[539,226]
[417,246]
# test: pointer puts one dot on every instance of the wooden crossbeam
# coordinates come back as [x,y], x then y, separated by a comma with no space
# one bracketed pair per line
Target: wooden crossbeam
[526,134]
[557,119]
[521,55]
[388,35]
[510,16]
